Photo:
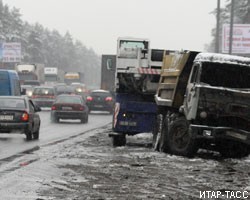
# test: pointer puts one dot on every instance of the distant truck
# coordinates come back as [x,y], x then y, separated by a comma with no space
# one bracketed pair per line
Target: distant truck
[9,83]
[73,77]
[30,72]
[203,101]
[108,72]
[50,75]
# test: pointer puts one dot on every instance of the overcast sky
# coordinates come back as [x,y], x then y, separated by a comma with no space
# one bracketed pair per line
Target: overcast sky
[169,24]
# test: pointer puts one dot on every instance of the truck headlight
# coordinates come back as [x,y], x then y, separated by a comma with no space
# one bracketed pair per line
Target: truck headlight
[203,114]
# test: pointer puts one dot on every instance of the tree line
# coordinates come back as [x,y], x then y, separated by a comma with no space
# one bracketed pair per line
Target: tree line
[49,47]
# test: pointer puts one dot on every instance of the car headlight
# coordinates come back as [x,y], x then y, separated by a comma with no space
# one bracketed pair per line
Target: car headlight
[29,93]
[79,90]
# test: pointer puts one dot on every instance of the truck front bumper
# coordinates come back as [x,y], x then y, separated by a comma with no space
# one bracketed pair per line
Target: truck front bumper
[218,133]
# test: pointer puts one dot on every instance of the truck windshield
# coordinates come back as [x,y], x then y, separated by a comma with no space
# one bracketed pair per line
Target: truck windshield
[133,44]
[27,76]
[225,75]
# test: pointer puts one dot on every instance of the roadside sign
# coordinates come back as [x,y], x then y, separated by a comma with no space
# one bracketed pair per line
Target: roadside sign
[241,38]
[10,52]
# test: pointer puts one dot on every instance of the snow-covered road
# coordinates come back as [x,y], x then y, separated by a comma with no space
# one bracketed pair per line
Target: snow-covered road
[12,144]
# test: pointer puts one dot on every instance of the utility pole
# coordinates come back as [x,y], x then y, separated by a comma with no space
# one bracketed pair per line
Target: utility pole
[231,27]
[217,40]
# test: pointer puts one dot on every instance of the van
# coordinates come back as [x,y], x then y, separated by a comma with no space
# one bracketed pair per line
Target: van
[9,83]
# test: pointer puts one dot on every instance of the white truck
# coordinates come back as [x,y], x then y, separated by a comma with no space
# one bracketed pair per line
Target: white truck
[137,75]
[50,75]
[30,72]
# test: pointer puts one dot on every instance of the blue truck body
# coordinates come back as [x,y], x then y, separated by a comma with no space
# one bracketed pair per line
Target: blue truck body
[9,83]
[133,114]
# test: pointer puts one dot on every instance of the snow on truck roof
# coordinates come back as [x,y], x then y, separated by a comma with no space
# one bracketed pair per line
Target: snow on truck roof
[222,58]
[132,39]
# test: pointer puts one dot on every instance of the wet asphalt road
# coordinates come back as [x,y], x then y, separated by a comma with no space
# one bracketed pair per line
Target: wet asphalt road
[88,167]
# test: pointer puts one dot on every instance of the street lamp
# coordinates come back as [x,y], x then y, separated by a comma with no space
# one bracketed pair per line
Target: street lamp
[231,27]
[217,40]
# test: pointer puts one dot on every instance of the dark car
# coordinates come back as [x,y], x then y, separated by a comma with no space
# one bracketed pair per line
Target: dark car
[18,114]
[69,107]
[80,89]
[44,96]
[100,100]
[64,89]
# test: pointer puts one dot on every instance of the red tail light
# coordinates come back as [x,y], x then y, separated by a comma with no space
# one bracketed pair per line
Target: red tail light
[81,108]
[25,117]
[108,99]
[89,98]
[53,108]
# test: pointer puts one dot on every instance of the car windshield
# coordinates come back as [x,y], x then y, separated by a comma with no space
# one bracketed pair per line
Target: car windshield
[68,99]
[43,91]
[64,90]
[12,103]
[101,94]
[36,83]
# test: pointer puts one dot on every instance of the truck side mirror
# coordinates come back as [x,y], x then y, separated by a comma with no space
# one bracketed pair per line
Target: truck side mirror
[109,64]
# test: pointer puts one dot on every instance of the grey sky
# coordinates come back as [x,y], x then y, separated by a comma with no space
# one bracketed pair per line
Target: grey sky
[169,24]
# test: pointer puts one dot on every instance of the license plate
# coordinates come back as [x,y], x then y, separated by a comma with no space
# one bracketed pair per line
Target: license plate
[98,106]
[6,117]
[66,108]
[236,135]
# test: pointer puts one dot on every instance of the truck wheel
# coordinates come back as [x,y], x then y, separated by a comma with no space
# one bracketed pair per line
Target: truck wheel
[159,131]
[163,137]
[155,134]
[180,140]
[119,140]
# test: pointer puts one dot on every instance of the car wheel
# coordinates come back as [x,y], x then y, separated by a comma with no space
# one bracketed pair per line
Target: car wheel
[57,119]
[82,120]
[85,119]
[119,140]
[54,119]
[36,134]
[28,135]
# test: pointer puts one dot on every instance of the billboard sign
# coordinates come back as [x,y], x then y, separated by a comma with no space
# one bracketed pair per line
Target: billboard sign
[10,52]
[241,38]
